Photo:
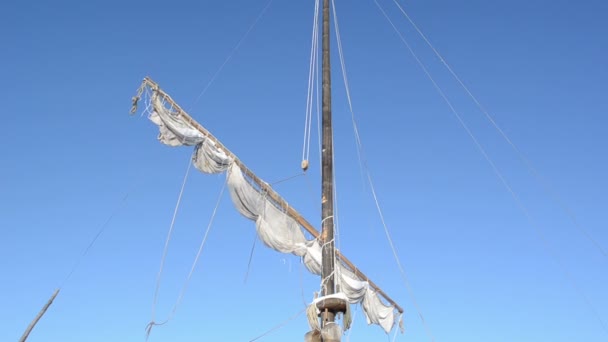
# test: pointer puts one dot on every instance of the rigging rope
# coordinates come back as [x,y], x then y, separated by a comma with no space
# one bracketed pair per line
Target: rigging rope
[287,179]
[547,187]
[192,268]
[95,238]
[497,172]
[255,240]
[168,239]
[312,76]
[395,335]
[319,86]
[279,326]
[231,54]
[302,281]
[367,171]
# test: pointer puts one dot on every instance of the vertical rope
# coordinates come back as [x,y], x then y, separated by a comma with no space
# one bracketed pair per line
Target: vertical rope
[312,76]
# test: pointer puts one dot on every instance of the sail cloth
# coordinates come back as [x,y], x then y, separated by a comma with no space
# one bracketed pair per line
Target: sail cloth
[275,228]
[174,130]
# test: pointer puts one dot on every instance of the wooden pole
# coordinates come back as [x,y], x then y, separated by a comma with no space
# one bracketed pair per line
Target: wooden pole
[267,189]
[327,178]
[38,317]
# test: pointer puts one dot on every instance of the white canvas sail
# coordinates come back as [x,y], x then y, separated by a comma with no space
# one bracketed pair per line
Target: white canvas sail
[274,226]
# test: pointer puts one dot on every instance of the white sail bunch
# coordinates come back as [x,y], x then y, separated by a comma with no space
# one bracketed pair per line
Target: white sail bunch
[274,226]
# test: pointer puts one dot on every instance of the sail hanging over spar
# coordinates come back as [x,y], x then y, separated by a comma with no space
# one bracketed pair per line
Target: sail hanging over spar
[274,220]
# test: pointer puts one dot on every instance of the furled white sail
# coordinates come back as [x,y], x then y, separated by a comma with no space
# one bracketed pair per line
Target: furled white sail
[274,226]
[174,131]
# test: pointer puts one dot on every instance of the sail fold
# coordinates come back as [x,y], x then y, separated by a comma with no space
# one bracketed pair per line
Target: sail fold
[377,312]
[174,130]
[274,226]
[209,159]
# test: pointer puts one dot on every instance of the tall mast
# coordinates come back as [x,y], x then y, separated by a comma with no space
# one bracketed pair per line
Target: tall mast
[327,187]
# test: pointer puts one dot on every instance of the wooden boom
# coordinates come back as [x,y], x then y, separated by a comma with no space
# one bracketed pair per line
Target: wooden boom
[261,184]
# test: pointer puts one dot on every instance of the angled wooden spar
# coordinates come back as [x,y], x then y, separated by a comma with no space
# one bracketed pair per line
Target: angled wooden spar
[263,186]
[38,317]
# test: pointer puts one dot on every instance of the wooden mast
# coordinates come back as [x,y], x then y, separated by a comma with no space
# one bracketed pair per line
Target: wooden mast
[329,307]
[328,314]
[327,187]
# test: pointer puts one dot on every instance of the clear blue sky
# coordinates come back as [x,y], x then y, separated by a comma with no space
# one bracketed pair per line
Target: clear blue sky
[478,267]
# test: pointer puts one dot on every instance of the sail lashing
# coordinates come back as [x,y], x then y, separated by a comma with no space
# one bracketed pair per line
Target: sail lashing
[275,227]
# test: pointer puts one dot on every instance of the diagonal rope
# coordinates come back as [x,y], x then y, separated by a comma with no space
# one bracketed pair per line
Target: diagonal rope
[192,268]
[279,326]
[167,240]
[363,162]
[542,180]
[502,179]
[255,240]
[287,179]
[396,255]
[395,335]
[231,54]
[101,230]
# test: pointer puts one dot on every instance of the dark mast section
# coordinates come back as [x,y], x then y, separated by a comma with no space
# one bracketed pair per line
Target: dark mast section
[327,201]
[330,331]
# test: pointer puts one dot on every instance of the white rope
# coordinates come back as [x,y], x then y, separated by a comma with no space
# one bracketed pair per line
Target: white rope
[542,180]
[327,218]
[255,240]
[231,54]
[395,335]
[333,273]
[312,314]
[398,261]
[315,81]
[168,239]
[311,82]
[279,326]
[348,97]
[200,248]
[147,99]
[519,203]
[300,271]
[180,297]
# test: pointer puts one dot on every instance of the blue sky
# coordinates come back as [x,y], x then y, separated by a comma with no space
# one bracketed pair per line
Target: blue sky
[480,269]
